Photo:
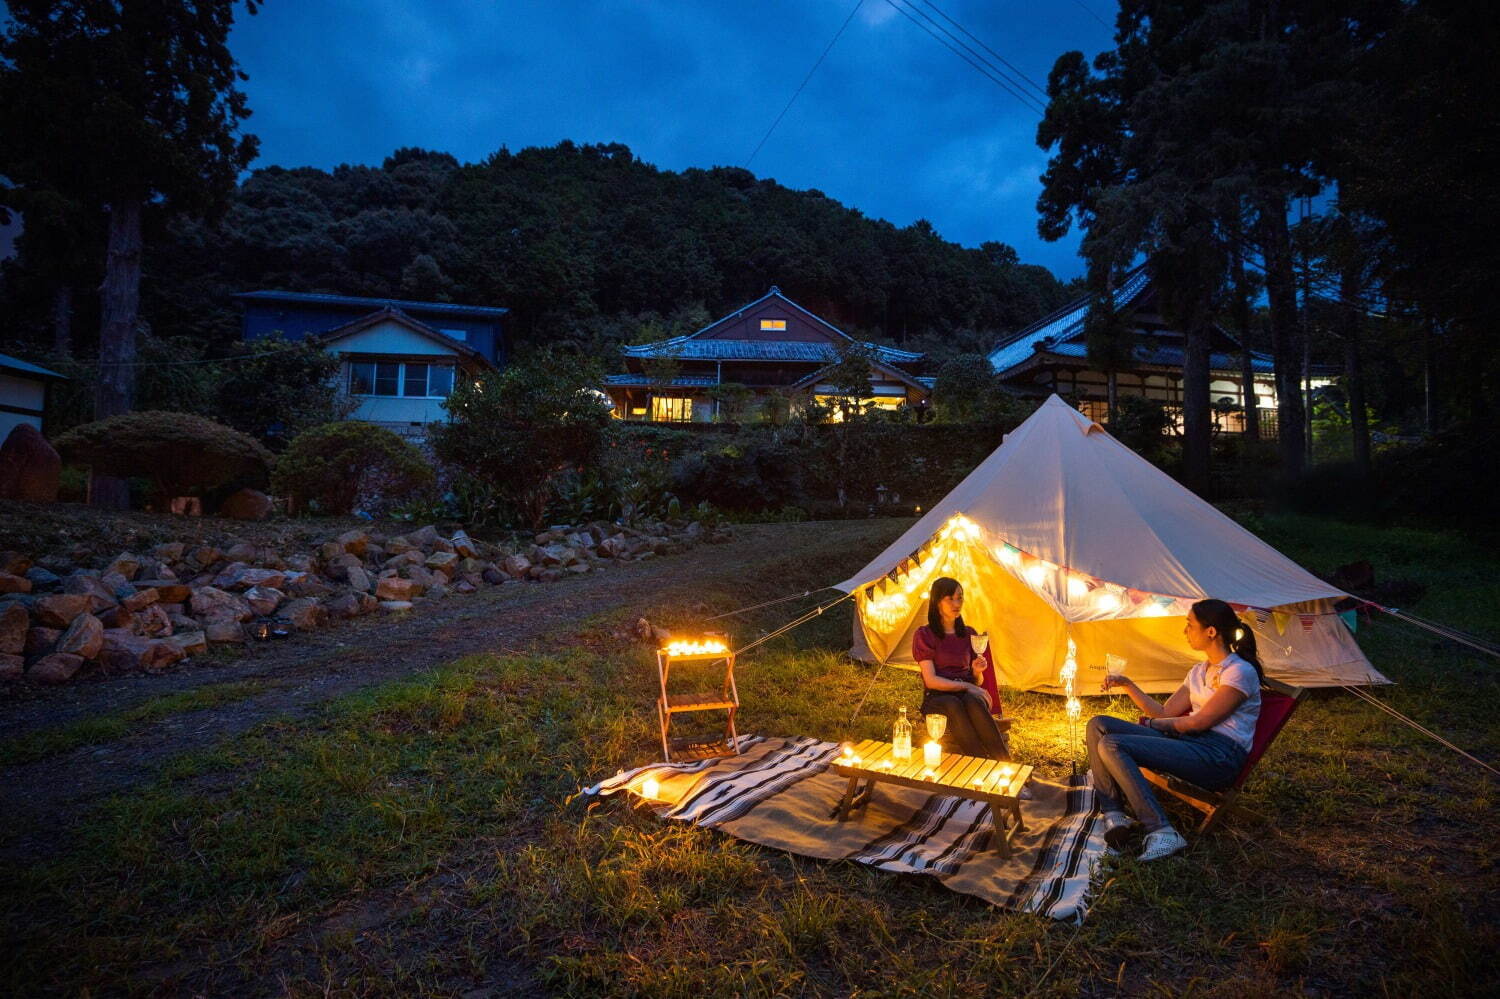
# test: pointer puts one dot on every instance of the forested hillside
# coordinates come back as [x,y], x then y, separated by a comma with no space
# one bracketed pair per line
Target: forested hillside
[587,244]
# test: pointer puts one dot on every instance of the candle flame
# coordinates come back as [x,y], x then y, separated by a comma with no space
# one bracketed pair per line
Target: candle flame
[650,788]
[706,646]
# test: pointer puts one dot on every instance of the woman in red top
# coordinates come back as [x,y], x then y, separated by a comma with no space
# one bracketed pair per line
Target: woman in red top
[946,656]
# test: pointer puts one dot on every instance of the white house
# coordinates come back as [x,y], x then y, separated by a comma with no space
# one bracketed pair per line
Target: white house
[23,393]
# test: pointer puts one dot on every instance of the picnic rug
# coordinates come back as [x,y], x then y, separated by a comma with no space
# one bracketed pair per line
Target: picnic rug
[779,793]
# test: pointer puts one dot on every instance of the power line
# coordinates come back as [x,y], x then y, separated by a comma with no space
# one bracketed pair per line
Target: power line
[1015,70]
[828,48]
[1090,11]
[989,73]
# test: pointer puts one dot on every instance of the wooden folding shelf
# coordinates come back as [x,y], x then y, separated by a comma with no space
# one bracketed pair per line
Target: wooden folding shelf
[669,705]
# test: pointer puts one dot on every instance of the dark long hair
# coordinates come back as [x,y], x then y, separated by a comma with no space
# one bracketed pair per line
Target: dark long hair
[942,587]
[1237,636]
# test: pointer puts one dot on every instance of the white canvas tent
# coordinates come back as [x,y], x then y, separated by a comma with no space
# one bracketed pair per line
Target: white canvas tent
[1063,532]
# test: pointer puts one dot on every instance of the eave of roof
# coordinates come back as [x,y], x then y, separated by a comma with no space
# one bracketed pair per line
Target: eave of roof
[355,302]
[415,325]
[9,363]
[646,381]
[1065,322]
[806,351]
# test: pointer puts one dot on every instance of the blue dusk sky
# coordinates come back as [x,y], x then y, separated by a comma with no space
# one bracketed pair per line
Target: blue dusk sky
[892,123]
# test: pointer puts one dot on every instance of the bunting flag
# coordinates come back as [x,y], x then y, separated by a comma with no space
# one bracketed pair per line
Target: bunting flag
[1308,620]
[1282,619]
[1350,619]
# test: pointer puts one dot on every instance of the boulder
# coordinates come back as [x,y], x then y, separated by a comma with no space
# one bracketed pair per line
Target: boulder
[516,565]
[10,583]
[124,651]
[298,562]
[171,551]
[118,586]
[247,504]
[206,556]
[263,600]
[395,605]
[409,557]
[436,592]
[43,580]
[162,653]
[14,563]
[468,566]
[339,565]
[211,604]
[167,591]
[355,542]
[242,551]
[330,550]
[395,588]
[153,621]
[343,605]
[422,577]
[57,610]
[29,466]
[141,599]
[399,546]
[444,562]
[58,667]
[126,565]
[11,666]
[118,617]
[83,638]
[14,621]
[464,545]
[493,576]
[181,622]
[304,615]
[39,641]
[240,576]
[97,594]
[223,630]
[463,586]
[425,537]
[559,555]
[306,585]
[359,578]
[269,558]
[192,643]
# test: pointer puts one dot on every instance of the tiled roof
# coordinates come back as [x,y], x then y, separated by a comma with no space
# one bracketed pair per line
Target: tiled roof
[9,363]
[1063,324]
[821,352]
[354,302]
[1170,357]
[410,322]
[645,381]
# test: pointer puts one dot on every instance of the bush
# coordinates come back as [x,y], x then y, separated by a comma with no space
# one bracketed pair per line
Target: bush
[525,428]
[337,464]
[178,452]
[1141,425]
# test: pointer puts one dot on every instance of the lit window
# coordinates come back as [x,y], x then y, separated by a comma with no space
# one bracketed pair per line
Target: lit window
[671,410]
[778,325]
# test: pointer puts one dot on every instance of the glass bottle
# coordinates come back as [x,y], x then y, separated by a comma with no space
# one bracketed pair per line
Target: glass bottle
[901,737]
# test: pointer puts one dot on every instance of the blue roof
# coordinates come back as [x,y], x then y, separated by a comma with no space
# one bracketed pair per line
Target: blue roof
[354,302]
[27,368]
[1170,357]
[694,346]
[645,381]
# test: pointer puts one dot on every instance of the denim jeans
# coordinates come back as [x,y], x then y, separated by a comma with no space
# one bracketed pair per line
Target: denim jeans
[971,728]
[1118,749]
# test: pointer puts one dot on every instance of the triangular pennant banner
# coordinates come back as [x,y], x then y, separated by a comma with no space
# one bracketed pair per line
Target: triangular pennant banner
[1282,619]
[1308,620]
[1350,619]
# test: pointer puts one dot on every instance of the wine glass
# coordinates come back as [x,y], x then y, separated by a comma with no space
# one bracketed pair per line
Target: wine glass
[979,643]
[937,724]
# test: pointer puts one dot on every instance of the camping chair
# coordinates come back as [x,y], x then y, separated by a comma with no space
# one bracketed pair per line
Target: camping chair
[1277,702]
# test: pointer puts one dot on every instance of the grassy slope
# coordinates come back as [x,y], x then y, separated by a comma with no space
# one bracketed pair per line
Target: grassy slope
[427,837]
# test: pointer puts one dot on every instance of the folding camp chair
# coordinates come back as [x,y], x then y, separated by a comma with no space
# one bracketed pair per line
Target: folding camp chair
[1277,702]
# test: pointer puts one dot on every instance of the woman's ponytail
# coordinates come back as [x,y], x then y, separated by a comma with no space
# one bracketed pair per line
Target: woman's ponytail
[1237,635]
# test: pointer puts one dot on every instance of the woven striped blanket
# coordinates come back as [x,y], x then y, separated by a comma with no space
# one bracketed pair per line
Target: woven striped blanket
[779,793]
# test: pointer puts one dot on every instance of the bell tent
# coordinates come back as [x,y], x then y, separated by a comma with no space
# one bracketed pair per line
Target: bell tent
[1063,533]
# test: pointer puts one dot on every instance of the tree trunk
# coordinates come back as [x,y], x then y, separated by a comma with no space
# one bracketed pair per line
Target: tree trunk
[1113,389]
[1354,376]
[62,320]
[119,299]
[1197,424]
[1241,312]
[1286,334]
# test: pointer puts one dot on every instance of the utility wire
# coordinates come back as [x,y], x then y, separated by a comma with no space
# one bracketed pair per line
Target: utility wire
[1090,11]
[985,69]
[828,48]
[1015,70]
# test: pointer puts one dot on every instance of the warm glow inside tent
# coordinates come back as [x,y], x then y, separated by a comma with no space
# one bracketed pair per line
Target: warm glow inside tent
[1063,532]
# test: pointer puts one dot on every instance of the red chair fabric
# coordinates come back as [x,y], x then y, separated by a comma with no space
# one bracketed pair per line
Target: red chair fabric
[1275,709]
[990,685]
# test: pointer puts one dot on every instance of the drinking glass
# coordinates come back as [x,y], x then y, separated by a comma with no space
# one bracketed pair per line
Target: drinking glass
[979,643]
[936,725]
[1114,666]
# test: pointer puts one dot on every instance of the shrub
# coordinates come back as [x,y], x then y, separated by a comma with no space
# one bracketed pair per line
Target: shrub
[525,428]
[1141,425]
[178,452]
[336,464]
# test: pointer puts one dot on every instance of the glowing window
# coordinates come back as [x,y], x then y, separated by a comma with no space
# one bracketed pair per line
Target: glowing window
[778,325]
[666,409]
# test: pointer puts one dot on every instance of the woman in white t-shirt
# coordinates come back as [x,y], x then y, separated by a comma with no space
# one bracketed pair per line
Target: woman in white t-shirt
[1202,734]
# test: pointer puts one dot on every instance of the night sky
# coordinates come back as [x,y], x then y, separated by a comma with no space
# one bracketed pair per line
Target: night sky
[892,123]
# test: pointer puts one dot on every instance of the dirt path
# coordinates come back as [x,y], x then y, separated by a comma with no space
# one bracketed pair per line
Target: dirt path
[39,799]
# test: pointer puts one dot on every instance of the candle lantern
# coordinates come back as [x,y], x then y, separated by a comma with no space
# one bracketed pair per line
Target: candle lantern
[932,753]
[709,649]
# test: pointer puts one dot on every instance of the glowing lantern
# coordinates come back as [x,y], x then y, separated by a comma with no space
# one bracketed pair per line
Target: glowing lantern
[932,753]
[1035,575]
[1078,588]
[650,788]
[705,647]
[1075,708]
[1107,600]
[1008,555]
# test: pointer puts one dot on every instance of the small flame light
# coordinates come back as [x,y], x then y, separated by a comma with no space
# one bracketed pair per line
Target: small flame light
[1035,574]
[932,753]
[705,647]
[650,788]
[1077,588]
[1107,601]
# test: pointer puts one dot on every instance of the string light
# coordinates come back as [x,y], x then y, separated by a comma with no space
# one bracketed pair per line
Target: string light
[708,646]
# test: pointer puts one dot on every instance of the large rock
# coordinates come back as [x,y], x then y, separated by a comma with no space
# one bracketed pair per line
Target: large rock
[153,621]
[395,588]
[57,610]
[516,565]
[354,542]
[399,546]
[83,638]
[14,620]
[339,565]
[344,605]
[205,556]
[305,615]
[359,578]
[126,565]
[58,667]
[223,630]
[29,466]
[168,591]
[425,538]
[40,641]
[444,562]
[14,584]
[11,666]
[306,585]
[118,617]
[241,551]
[43,580]
[192,643]
[212,604]
[464,545]
[170,551]
[161,654]
[240,576]
[263,600]
[14,563]
[493,576]
[98,595]
[141,599]
[247,504]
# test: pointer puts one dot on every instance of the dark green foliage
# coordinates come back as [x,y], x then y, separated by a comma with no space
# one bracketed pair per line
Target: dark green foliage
[179,453]
[330,468]
[521,430]
[1141,425]
[749,473]
[279,390]
[967,390]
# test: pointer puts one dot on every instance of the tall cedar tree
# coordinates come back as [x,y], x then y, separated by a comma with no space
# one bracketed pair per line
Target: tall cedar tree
[123,107]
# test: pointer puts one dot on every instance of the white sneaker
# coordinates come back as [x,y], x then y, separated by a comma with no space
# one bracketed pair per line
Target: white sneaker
[1162,843]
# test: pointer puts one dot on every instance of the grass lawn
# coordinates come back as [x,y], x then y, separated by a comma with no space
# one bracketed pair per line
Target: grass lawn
[427,838]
